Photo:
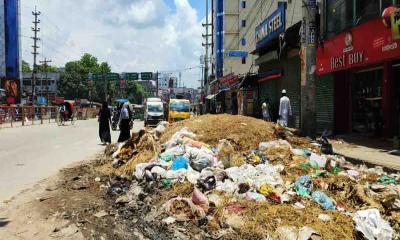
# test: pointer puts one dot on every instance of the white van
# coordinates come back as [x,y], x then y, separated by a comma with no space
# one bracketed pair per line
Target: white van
[153,111]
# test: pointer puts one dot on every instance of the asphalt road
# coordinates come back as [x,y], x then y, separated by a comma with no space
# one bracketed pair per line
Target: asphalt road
[30,154]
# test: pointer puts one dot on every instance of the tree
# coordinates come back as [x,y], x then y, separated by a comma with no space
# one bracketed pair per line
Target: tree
[49,69]
[25,67]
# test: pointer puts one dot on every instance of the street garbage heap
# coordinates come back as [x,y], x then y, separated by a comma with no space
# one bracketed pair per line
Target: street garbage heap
[284,188]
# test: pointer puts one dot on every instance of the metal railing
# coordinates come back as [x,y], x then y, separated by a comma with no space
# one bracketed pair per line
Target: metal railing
[36,115]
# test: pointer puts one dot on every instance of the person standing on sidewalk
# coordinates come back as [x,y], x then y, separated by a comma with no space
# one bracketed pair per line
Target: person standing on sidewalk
[285,109]
[104,123]
[124,123]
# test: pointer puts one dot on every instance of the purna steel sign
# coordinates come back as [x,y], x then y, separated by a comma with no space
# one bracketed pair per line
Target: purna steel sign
[272,26]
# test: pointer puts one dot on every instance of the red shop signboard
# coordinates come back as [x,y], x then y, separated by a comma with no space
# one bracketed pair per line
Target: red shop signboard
[369,43]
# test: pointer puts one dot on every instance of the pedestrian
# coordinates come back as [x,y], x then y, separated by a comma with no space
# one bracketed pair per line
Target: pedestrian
[285,109]
[104,124]
[265,111]
[124,123]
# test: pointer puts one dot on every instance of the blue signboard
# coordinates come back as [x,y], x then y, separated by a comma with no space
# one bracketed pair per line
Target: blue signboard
[272,26]
[2,41]
[233,53]
[12,39]
[219,38]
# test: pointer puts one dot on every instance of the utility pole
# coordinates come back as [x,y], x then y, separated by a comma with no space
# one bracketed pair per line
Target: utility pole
[308,68]
[157,81]
[35,30]
[45,62]
[105,84]
[206,45]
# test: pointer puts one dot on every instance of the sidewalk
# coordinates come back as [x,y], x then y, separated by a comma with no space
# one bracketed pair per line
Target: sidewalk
[368,155]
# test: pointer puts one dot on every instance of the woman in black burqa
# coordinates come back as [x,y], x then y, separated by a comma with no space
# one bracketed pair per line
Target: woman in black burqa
[124,123]
[104,124]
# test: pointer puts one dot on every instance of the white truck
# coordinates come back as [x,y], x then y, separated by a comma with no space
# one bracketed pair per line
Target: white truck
[153,111]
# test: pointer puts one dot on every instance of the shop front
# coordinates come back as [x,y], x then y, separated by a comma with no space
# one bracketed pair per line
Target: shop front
[364,66]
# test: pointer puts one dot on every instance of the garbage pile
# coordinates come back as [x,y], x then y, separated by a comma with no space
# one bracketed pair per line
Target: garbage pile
[258,180]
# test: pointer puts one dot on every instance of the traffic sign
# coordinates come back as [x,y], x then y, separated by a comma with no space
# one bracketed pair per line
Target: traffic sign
[146,76]
[113,76]
[131,76]
[108,77]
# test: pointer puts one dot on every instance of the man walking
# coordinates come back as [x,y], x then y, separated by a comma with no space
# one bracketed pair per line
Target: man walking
[285,110]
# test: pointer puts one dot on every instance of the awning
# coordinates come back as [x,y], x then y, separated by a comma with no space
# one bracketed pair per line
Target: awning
[269,75]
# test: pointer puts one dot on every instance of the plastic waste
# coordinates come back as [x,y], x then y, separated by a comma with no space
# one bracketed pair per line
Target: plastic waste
[323,200]
[192,176]
[158,171]
[166,183]
[353,173]
[225,151]
[266,189]
[174,151]
[199,198]
[265,145]
[255,196]
[317,160]
[324,217]
[303,186]
[167,157]
[298,152]
[193,143]
[177,137]
[176,174]
[139,170]
[180,163]
[370,223]
[386,180]
[227,186]
[208,183]
[202,161]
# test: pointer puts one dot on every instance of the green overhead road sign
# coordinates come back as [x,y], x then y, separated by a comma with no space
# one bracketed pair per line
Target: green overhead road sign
[131,76]
[146,76]
[108,77]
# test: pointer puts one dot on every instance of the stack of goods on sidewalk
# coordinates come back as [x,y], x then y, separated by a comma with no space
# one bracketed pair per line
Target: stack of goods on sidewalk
[235,177]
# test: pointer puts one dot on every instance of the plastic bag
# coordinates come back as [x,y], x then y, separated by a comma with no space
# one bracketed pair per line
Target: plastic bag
[203,159]
[177,137]
[372,226]
[192,176]
[159,171]
[178,174]
[193,143]
[183,209]
[255,196]
[225,151]
[265,145]
[303,186]
[227,186]
[318,161]
[139,170]
[199,198]
[323,200]
[386,180]
[266,189]
[180,163]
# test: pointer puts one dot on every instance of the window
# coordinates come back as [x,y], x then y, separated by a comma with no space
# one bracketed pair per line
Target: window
[244,60]
[243,41]
[345,14]
[243,23]
[243,4]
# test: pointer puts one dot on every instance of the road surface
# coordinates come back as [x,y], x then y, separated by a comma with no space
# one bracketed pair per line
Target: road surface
[30,154]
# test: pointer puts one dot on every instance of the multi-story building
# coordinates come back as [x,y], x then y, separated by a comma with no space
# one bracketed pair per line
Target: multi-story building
[10,45]
[45,84]
[247,37]
[359,58]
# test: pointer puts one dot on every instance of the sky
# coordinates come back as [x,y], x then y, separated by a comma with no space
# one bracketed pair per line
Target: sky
[131,35]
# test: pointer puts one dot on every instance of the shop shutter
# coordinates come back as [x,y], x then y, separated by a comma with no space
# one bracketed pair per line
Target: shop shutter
[291,82]
[324,103]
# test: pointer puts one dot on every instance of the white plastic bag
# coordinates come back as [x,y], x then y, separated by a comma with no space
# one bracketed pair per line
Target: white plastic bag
[139,170]
[177,137]
[317,160]
[372,226]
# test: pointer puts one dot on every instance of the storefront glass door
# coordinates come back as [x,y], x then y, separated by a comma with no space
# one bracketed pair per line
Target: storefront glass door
[366,94]
[396,83]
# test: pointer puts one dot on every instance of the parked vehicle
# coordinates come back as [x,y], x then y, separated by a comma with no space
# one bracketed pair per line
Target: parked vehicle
[179,109]
[153,112]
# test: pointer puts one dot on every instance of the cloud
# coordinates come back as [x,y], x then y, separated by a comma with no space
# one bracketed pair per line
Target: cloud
[132,35]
